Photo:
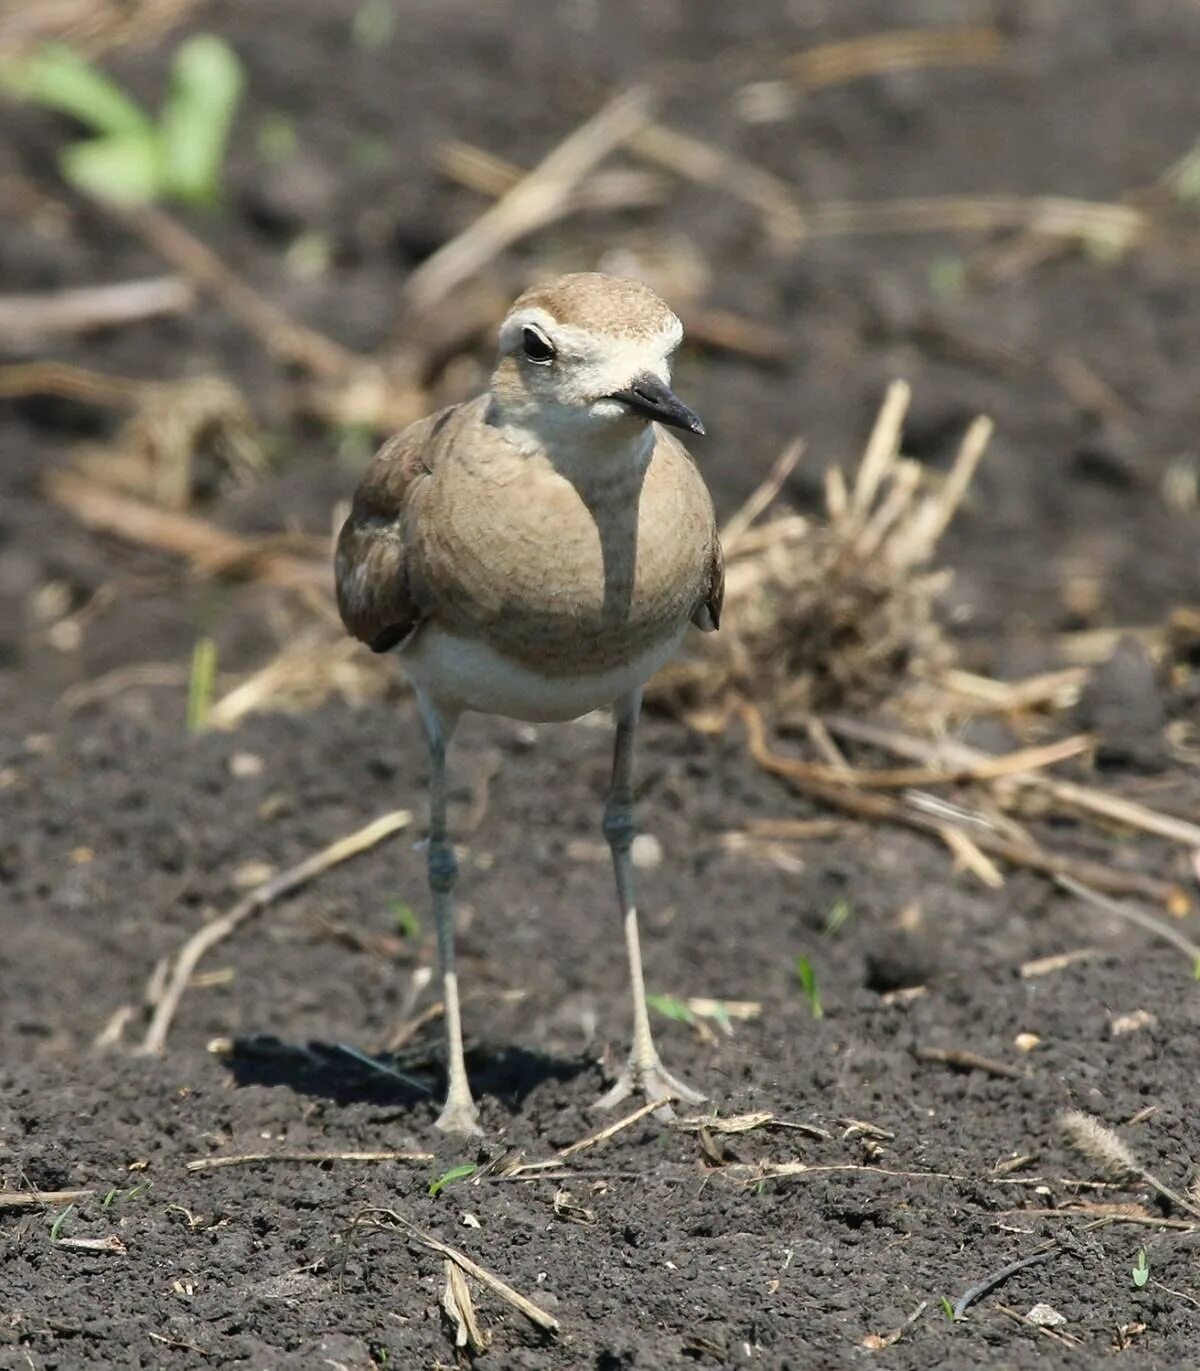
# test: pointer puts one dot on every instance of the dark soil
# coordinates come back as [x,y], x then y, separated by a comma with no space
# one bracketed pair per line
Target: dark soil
[119,833]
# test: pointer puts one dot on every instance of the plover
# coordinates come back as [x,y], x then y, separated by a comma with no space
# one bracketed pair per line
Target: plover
[539,552]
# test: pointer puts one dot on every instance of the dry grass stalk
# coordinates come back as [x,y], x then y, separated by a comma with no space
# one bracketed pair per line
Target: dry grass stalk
[698,161]
[315,667]
[1114,1157]
[1107,227]
[92,26]
[33,1199]
[32,318]
[1070,794]
[460,1310]
[899,50]
[840,610]
[210,550]
[482,171]
[1164,932]
[534,1313]
[876,807]
[189,955]
[173,424]
[315,1158]
[540,198]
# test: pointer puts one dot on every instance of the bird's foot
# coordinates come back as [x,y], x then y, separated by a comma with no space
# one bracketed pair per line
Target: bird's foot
[459,1115]
[651,1079]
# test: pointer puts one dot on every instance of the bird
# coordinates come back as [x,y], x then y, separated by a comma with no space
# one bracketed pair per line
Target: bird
[538,553]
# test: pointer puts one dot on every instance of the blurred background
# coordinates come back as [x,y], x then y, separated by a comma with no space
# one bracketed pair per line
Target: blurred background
[223,280]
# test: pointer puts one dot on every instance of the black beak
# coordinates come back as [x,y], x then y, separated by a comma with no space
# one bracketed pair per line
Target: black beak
[648,397]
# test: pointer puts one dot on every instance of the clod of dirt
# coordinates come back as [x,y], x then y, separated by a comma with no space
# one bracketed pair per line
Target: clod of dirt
[1123,705]
[839,615]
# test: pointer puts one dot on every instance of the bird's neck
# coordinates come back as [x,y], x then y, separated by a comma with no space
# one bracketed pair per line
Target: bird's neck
[580,447]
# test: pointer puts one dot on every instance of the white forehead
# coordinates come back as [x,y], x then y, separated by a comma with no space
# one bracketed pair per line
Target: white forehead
[574,341]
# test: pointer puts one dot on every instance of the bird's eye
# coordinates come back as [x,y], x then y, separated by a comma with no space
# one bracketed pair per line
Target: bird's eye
[538,348]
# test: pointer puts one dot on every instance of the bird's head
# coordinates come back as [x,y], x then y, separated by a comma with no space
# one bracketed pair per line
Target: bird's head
[588,355]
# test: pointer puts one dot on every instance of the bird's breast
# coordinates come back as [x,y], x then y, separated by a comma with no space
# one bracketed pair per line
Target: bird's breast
[562,575]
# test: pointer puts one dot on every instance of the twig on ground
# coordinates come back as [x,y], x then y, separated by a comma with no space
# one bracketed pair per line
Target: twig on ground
[763,496]
[535,201]
[257,900]
[29,318]
[32,1199]
[460,1310]
[281,335]
[832,64]
[494,176]
[698,161]
[68,383]
[249,1158]
[1076,796]
[210,549]
[962,1060]
[1111,226]
[609,1131]
[1057,689]
[1131,914]
[1054,1334]
[534,1313]
[868,805]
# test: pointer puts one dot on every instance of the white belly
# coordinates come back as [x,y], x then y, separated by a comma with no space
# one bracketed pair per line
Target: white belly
[464,673]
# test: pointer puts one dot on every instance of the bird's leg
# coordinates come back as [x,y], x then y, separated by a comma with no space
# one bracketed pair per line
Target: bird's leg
[459,1114]
[644,1071]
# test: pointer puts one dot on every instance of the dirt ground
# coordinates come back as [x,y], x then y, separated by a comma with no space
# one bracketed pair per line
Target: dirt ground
[661,1247]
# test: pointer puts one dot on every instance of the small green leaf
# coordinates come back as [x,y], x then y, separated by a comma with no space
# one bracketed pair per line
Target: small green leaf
[140,1189]
[122,169]
[1196,969]
[1141,1269]
[206,85]
[948,1308]
[59,78]
[456,1173]
[671,1008]
[108,1199]
[200,684]
[406,921]
[60,1219]
[808,983]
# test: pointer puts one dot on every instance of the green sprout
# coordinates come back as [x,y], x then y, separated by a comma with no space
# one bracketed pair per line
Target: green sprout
[1141,1269]
[406,921]
[59,1220]
[808,983]
[671,1008]
[201,680]
[948,1309]
[456,1173]
[130,158]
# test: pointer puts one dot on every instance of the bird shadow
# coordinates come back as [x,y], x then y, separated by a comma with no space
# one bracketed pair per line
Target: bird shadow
[346,1075]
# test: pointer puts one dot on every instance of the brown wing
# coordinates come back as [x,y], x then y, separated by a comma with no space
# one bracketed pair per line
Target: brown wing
[374,591]
[708,612]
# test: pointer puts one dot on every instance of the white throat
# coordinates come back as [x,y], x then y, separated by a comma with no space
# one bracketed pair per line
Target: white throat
[570,439]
